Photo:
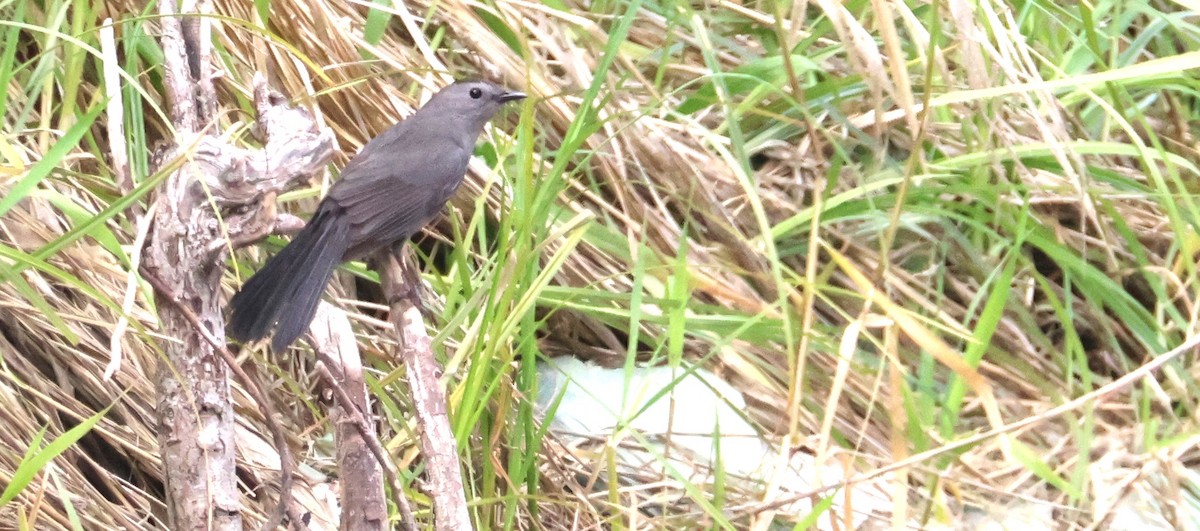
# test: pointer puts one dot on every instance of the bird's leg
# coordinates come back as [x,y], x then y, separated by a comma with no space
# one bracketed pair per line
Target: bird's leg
[423,296]
[412,286]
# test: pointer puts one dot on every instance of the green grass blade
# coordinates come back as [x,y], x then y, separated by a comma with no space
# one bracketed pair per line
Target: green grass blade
[50,160]
[35,460]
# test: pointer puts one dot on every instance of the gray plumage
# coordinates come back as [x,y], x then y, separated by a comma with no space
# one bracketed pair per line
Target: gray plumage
[398,183]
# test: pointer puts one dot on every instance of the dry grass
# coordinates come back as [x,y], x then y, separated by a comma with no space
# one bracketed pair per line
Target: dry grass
[1009,184]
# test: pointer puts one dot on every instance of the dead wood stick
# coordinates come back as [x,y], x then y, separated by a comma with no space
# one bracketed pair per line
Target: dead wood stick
[196,419]
[286,465]
[195,414]
[361,456]
[438,446]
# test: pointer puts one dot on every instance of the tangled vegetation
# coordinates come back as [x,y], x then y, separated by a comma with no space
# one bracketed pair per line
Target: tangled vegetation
[891,225]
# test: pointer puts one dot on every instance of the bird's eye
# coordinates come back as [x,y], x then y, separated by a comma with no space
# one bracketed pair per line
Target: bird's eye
[476,93]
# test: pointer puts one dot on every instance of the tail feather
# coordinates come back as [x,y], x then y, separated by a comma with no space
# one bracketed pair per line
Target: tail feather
[288,288]
[302,303]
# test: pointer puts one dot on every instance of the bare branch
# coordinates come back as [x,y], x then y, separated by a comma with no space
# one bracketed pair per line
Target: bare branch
[360,455]
[184,263]
[438,446]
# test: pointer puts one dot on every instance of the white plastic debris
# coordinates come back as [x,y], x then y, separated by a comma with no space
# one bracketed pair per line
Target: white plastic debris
[683,425]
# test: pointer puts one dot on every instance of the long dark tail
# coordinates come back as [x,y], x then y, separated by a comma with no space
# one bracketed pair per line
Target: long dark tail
[288,288]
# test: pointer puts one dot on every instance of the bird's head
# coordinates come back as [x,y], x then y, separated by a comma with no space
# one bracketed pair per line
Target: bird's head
[474,102]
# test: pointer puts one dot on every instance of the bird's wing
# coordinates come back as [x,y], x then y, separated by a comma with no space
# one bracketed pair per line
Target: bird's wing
[392,189]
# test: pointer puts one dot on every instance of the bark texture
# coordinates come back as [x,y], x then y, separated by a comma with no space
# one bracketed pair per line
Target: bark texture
[364,507]
[187,251]
[195,415]
[439,449]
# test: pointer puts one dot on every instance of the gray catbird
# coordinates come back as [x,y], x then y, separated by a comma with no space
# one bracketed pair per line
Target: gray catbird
[393,187]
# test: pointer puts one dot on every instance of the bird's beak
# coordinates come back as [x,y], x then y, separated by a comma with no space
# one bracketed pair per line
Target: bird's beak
[511,95]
